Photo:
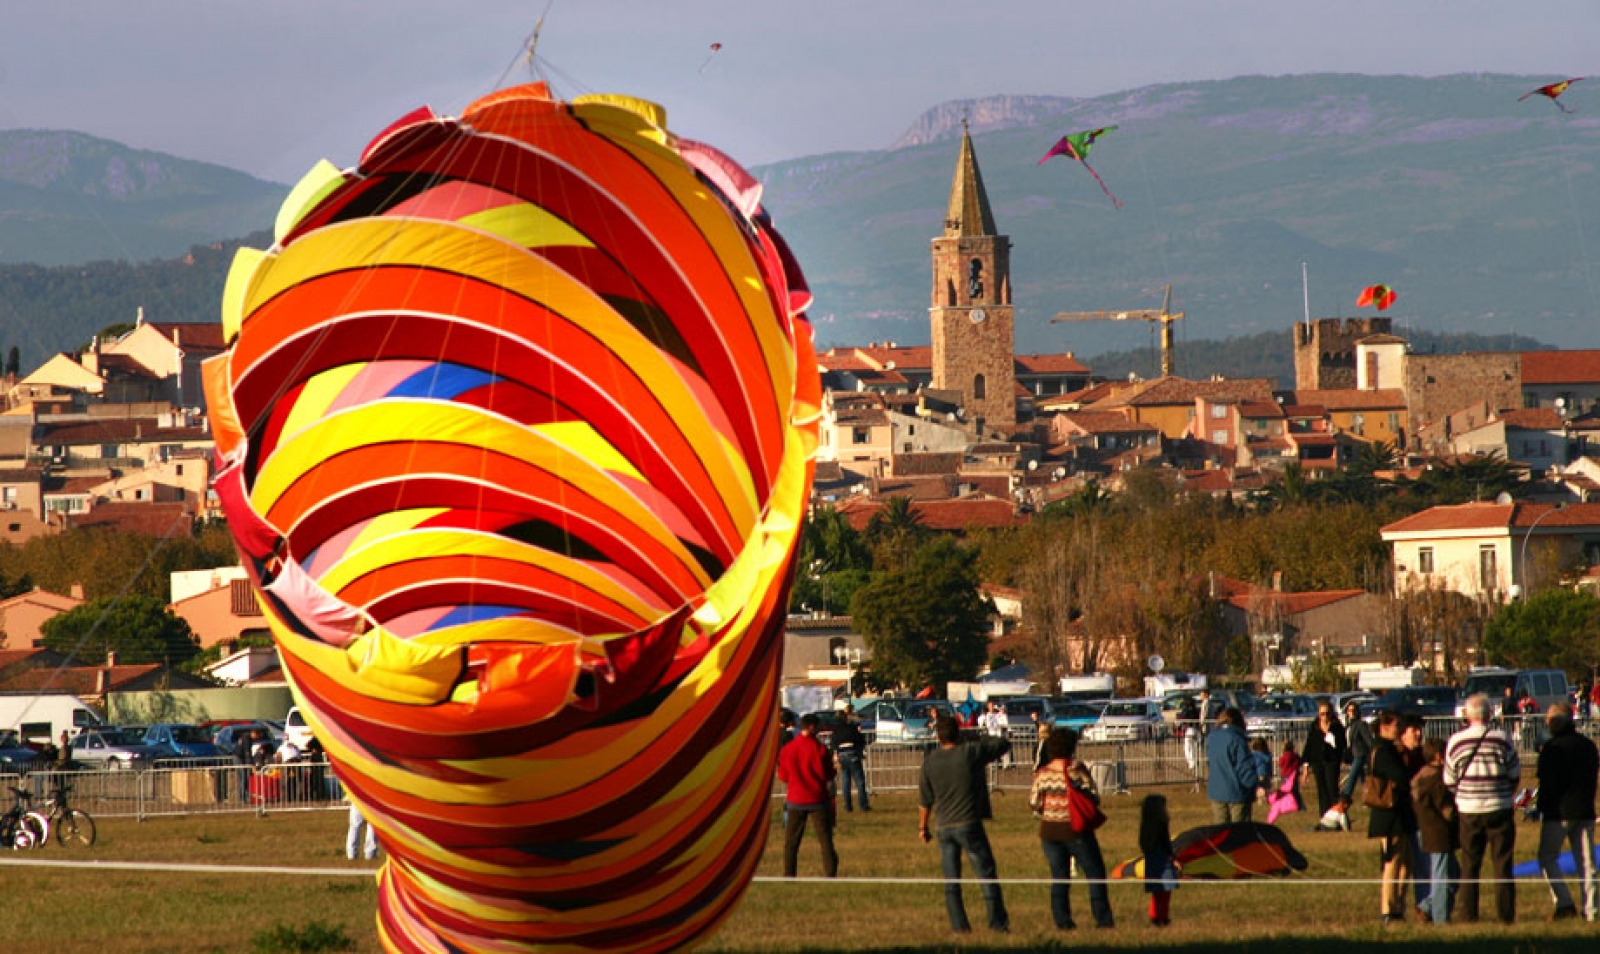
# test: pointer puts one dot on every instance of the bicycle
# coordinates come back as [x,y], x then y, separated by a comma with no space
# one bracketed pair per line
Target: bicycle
[21,827]
[73,826]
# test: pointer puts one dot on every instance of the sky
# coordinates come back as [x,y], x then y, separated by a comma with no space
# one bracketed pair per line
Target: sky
[271,86]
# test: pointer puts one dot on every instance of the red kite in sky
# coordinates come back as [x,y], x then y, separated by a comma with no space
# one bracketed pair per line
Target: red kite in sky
[1553,91]
[1378,296]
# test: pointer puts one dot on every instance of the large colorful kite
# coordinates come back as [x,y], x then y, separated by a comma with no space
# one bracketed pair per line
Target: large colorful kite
[515,436]
[1553,91]
[1076,146]
[1239,850]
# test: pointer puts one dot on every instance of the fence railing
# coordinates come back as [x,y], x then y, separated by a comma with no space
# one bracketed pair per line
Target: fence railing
[190,789]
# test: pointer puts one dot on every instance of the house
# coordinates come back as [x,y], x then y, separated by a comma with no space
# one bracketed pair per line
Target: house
[856,432]
[249,666]
[22,617]
[1379,414]
[159,520]
[1346,623]
[1537,437]
[1493,551]
[92,683]
[1169,402]
[220,609]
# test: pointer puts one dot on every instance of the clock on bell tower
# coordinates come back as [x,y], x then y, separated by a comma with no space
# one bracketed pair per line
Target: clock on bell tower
[974,349]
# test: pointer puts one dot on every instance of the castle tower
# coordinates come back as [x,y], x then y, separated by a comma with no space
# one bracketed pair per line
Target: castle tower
[1325,350]
[974,346]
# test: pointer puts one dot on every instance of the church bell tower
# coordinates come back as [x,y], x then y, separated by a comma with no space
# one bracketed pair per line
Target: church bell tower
[974,345]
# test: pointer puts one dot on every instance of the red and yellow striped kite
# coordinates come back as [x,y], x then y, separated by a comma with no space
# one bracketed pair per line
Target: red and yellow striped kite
[515,437]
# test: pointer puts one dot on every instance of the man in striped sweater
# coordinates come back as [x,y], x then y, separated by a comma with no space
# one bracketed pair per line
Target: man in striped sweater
[1482,769]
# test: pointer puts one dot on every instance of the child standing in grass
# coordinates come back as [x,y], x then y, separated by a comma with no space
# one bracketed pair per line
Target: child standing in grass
[1160,868]
[1436,821]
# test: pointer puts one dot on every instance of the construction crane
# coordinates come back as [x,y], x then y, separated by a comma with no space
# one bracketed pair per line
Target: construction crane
[1165,317]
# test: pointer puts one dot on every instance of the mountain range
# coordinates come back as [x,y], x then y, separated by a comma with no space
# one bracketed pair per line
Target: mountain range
[1479,210]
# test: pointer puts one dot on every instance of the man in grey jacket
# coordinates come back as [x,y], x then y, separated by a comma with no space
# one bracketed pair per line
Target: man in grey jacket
[1232,786]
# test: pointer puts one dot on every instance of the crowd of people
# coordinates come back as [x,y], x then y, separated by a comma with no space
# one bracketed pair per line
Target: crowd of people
[1441,813]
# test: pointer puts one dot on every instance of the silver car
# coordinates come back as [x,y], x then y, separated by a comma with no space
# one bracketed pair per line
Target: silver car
[113,749]
[1128,720]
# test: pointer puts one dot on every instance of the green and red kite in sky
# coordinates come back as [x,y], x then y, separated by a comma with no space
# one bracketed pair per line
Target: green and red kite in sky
[1076,146]
[1378,296]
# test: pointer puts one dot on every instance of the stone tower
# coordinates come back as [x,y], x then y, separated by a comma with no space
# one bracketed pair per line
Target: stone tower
[974,347]
[1325,350]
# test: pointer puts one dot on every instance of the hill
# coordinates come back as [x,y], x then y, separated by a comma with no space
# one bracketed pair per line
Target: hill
[1476,208]
[67,198]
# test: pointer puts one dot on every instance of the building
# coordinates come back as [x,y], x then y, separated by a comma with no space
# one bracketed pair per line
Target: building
[1325,350]
[22,617]
[1493,551]
[974,351]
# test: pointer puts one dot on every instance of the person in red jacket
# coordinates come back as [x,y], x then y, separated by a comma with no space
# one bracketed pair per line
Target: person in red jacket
[806,767]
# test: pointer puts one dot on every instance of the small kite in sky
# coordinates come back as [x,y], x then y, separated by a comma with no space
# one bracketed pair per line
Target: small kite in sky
[715,47]
[1378,296]
[1076,146]
[1554,90]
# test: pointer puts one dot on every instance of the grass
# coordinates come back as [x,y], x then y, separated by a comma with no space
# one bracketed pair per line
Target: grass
[71,910]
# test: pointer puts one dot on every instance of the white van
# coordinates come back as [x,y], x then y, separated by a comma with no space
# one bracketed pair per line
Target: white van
[295,730]
[1546,686]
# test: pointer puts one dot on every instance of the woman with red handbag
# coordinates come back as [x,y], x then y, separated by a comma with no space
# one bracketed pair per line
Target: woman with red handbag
[1064,800]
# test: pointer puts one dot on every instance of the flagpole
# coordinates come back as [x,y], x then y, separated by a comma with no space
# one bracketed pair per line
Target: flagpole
[1305,291]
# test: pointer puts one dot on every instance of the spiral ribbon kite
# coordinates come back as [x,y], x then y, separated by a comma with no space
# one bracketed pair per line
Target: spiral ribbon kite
[515,436]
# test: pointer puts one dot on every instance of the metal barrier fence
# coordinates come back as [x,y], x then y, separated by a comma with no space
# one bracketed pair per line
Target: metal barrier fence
[189,789]
[1173,759]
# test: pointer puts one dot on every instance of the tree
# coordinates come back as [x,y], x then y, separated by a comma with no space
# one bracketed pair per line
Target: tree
[139,629]
[894,533]
[833,564]
[1554,628]
[926,624]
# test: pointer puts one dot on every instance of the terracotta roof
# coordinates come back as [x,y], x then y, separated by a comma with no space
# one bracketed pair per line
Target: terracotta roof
[1291,604]
[938,487]
[835,359]
[1261,409]
[925,464]
[1313,439]
[193,336]
[1092,393]
[1350,399]
[874,376]
[149,519]
[1533,419]
[1211,481]
[77,680]
[860,415]
[1004,592]
[1560,367]
[1175,390]
[1304,410]
[958,514]
[117,430]
[993,485]
[24,475]
[1049,364]
[1495,516]
[1381,338]
[1106,422]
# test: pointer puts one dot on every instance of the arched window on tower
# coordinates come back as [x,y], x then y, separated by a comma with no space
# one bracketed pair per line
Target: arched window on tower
[980,389]
[950,293]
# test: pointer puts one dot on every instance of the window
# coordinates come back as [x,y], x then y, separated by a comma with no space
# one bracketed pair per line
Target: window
[9,495]
[1261,423]
[980,388]
[1358,423]
[1487,572]
[1219,437]
[178,470]
[1425,560]
[1394,422]
[861,435]
[1219,411]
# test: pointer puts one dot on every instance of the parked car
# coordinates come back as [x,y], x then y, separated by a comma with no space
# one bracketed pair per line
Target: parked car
[1020,711]
[1425,701]
[14,756]
[1128,720]
[907,720]
[181,740]
[112,748]
[827,721]
[1280,713]
[1077,716]
[226,738]
[1545,686]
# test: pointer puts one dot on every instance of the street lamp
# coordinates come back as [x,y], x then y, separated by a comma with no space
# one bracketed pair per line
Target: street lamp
[1523,561]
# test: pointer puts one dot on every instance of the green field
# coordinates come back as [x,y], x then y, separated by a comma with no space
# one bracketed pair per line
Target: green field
[74,910]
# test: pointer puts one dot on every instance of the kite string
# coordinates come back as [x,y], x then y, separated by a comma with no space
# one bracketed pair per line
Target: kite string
[1577,219]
